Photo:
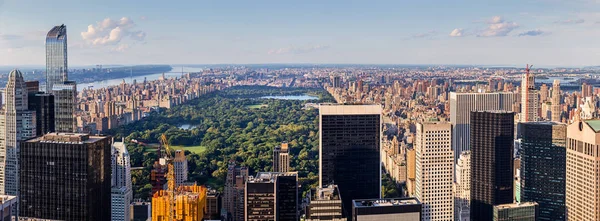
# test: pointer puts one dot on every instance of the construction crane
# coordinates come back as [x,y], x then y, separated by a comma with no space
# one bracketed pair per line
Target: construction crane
[170,178]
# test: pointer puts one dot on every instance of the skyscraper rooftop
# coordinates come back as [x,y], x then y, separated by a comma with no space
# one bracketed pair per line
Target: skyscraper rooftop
[58,32]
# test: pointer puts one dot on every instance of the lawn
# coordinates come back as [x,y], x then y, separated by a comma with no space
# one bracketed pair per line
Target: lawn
[257,106]
[194,149]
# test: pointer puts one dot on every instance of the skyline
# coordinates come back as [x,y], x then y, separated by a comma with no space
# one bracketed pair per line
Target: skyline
[544,32]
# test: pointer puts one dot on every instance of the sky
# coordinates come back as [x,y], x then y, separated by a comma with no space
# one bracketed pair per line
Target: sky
[509,32]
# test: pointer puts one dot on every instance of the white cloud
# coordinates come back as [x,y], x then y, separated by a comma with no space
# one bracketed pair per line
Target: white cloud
[457,32]
[570,21]
[535,32]
[112,32]
[498,27]
[298,50]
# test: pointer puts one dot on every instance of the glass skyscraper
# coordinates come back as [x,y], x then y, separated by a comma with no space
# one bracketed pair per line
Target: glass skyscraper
[56,57]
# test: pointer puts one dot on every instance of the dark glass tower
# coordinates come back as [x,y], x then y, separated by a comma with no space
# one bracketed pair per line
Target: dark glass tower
[272,196]
[43,105]
[492,135]
[543,167]
[65,177]
[349,150]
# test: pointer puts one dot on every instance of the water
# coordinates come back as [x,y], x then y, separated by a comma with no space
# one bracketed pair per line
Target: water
[550,80]
[176,72]
[304,97]
[187,126]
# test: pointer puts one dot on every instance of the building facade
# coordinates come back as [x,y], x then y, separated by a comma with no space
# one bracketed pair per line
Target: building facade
[66,177]
[583,175]
[281,158]
[461,106]
[492,134]
[324,204]
[56,57]
[121,193]
[529,99]
[233,194]
[190,204]
[556,101]
[435,170]
[272,196]
[527,211]
[462,187]
[65,100]
[43,106]
[543,167]
[181,167]
[349,145]
[400,209]
[6,207]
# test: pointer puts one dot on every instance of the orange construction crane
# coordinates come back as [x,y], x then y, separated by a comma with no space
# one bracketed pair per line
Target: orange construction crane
[170,178]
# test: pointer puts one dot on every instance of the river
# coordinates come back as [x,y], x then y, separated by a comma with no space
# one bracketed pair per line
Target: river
[176,72]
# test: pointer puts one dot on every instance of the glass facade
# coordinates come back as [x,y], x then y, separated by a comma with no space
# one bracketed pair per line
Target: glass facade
[56,56]
[543,167]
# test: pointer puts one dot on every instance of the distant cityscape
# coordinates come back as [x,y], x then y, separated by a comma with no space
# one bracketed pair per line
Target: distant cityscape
[299,142]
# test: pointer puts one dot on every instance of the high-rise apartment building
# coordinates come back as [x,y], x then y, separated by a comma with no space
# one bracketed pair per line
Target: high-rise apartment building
[213,204]
[17,123]
[529,98]
[56,57]
[527,211]
[272,196]
[181,167]
[350,141]
[233,194]
[43,106]
[190,204]
[462,187]
[66,176]
[492,134]
[583,173]
[434,171]
[121,193]
[556,106]
[461,106]
[543,163]
[386,209]
[65,100]
[324,204]
[281,158]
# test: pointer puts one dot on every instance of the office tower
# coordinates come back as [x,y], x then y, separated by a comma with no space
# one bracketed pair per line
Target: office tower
[43,106]
[587,90]
[386,209]
[544,93]
[65,100]
[121,193]
[463,187]
[213,204]
[556,107]
[272,196]
[181,167]
[233,194]
[529,98]
[324,204]
[56,57]
[411,176]
[66,176]
[461,106]
[434,170]
[190,204]
[6,207]
[281,158]
[337,81]
[16,124]
[583,161]
[543,163]
[350,140]
[492,134]
[141,211]
[516,212]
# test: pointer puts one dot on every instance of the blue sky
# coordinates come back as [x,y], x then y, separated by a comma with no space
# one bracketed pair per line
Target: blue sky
[510,32]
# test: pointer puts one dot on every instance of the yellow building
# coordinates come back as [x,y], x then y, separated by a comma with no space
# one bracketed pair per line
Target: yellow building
[190,204]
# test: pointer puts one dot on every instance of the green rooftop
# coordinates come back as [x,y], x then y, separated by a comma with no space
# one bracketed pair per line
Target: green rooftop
[595,124]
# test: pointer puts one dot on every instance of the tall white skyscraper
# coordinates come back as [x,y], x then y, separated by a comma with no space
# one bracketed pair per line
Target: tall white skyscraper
[434,171]
[461,106]
[529,98]
[556,108]
[462,187]
[121,192]
[181,167]
[56,57]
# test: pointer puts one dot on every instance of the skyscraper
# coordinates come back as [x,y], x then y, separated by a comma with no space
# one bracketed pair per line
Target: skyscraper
[16,124]
[65,100]
[434,170]
[56,57]
[350,141]
[492,134]
[180,165]
[386,209]
[272,196]
[461,106]
[324,204]
[543,164]
[66,176]
[43,106]
[281,158]
[529,98]
[462,184]
[121,193]
[583,161]
[556,107]
[527,211]
[233,194]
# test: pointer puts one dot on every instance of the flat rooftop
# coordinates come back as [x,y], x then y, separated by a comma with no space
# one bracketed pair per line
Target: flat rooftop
[269,177]
[385,202]
[594,124]
[66,138]
[341,109]
[516,205]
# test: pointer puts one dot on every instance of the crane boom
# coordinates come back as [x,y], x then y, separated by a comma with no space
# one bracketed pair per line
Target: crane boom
[170,178]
